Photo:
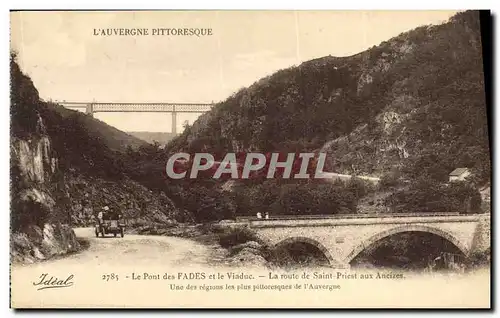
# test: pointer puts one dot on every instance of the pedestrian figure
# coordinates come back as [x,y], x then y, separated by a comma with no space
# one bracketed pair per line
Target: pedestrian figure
[100,216]
[267,216]
[259,215]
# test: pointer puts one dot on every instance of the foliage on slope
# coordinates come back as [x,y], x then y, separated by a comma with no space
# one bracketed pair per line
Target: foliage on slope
[415,103]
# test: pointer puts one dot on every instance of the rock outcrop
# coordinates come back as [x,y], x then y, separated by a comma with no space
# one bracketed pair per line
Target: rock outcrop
[36,243]
[38,231]
[65,167]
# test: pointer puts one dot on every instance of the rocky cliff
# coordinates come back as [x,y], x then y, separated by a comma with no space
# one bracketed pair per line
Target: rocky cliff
[36,227]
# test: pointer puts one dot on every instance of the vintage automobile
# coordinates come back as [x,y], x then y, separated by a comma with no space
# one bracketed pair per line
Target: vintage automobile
[112,223]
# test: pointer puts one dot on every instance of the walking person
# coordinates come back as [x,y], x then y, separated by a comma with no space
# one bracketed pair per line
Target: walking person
[100,216]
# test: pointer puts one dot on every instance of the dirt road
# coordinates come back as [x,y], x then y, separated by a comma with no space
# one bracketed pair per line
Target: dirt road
[132,250]
[107,271]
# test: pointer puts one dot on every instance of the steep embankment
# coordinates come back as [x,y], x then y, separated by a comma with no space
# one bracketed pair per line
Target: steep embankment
[414,105]
[36,232]
[36,228]
[63,170]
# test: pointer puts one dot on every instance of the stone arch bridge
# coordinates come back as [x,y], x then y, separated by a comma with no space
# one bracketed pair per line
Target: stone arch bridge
[342,238]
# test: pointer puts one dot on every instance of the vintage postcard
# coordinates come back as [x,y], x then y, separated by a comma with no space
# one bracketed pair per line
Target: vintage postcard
[249,159]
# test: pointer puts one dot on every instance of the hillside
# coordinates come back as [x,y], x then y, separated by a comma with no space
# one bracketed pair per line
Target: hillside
[413,105]
[113,138]
[63,170]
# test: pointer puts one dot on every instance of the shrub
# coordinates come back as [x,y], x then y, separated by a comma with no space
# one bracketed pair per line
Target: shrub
[208,204]
[358,187]
[390,180]
[253,198]
[480,259]
[427,195]
[235,236]
[299,198]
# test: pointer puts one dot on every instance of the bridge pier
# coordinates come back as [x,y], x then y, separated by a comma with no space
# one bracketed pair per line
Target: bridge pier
[89,110]
[174,121]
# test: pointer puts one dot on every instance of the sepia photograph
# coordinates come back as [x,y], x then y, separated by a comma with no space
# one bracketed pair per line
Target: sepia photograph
[250,159]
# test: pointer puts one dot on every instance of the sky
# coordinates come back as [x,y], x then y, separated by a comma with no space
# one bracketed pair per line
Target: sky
[66,61]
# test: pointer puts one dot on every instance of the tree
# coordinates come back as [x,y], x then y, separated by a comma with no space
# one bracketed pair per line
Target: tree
[427,195]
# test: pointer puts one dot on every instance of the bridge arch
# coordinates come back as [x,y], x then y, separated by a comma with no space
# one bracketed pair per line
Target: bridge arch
[307,240]
[407,228]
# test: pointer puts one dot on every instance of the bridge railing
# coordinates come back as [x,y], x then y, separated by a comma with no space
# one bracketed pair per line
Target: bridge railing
[346,216]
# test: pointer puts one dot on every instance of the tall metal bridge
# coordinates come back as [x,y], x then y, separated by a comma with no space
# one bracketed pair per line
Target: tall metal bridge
[173,108]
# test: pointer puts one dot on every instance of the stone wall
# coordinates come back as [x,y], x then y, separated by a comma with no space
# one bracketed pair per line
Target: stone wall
[482,236]
[342,239]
